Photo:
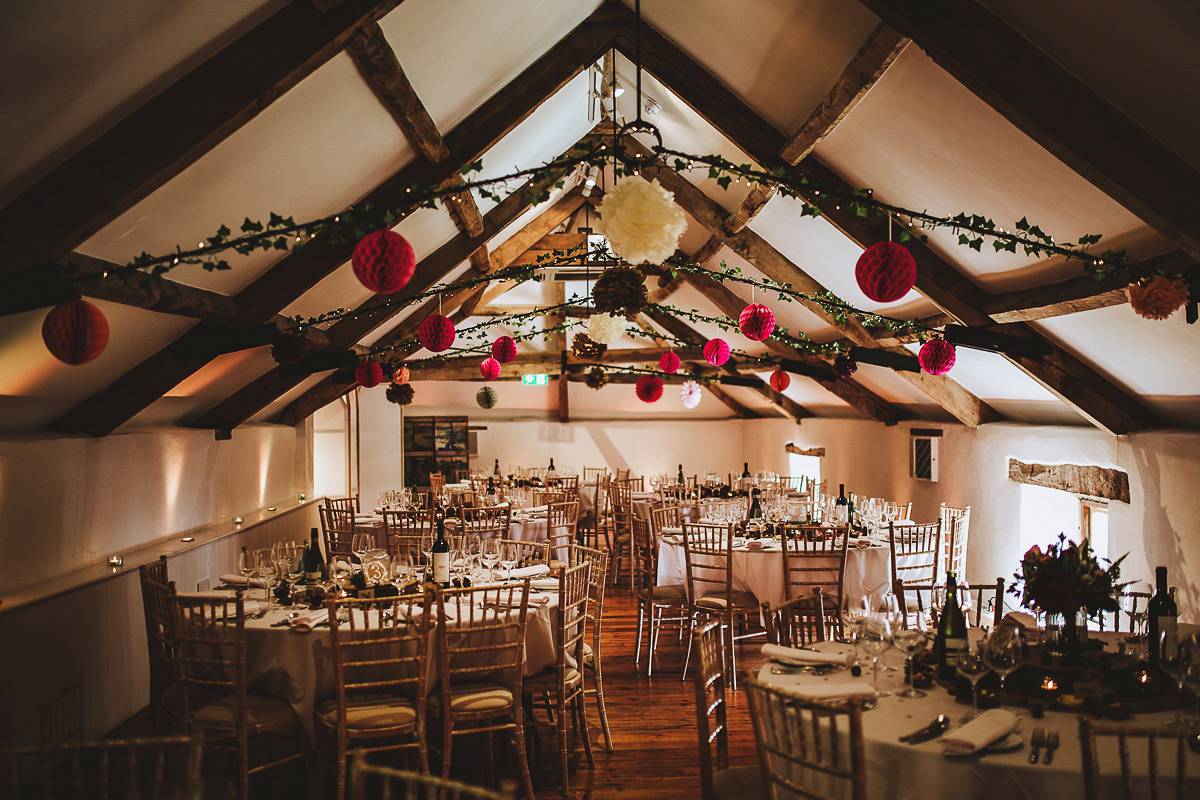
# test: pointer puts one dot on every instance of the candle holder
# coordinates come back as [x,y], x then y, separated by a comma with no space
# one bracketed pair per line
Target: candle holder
[237,521]
[115,562]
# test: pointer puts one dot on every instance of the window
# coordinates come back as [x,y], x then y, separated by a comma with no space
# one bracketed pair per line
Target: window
[808,466]
[1093,524]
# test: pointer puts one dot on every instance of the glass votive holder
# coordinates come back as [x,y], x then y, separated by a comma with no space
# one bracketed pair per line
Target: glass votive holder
[116,562]
[237,521]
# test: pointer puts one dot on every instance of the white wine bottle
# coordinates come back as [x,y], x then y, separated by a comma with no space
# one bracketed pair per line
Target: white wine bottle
[440,555]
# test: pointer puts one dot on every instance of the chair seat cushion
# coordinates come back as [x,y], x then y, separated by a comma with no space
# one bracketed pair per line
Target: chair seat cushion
[666,594]
[480,696]
[547,679]
[556,564]
[260,710]
[370,711]
[739,783]
[722,600]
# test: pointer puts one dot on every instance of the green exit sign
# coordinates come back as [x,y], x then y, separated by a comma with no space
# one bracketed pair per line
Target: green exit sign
[535,380]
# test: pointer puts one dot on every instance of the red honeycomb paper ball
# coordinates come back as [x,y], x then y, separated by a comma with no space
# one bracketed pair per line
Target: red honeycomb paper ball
[368,374]
[75,332]
[649,388]
[936,356]
[436,333]
[757,322]
[780,380]
[669,363]
[490,368]
[504,349]
[716,352]
[383,261]
[886,272]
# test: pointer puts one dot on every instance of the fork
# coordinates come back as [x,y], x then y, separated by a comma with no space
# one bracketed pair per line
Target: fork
[1051,746]
[1039,739]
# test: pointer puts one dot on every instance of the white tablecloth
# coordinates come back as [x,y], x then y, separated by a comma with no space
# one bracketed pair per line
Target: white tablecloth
[898,771]
[761,571]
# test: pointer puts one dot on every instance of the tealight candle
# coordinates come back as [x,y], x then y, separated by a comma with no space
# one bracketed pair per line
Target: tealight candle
[115,561]
[237,521]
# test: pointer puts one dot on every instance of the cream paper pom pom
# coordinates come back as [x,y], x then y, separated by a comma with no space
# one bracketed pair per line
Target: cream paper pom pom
[690,393]
[641,221]
[605,328]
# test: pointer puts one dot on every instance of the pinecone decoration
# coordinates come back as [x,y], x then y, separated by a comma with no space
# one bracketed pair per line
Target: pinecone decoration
[596,378]
[400,394]
[844,366]
[620,291]
[290,348]
[584,347]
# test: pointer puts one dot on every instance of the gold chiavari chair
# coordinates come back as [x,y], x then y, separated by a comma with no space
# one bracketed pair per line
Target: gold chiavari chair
[157,596]
[403,531]
[1136,781]
[381,676]
[813,560]
[916,559]
[652,599]
[372,782]
[481,656]
[559,689]
[799,738]
[152,768]
[797,622]
[956,527]
[718,780]
[592,661]
[561,522]
[338,527]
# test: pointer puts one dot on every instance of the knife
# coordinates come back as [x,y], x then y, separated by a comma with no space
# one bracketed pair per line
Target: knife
[930,731]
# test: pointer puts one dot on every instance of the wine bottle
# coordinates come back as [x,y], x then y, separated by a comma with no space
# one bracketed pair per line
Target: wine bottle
[550,469]
[440,555]
[745,469]
[755,511]
[491,485]
[841,499]
[951,641]
[679,477]
[314,564]
[496,469]
[1162,614]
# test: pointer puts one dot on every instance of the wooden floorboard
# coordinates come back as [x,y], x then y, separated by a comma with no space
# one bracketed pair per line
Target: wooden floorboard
[652,720]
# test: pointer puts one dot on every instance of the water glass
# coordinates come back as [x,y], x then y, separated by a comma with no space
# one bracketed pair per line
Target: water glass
[1003,655]
[973,666]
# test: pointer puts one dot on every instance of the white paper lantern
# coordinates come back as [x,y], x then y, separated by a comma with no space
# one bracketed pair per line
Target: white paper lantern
[641,221]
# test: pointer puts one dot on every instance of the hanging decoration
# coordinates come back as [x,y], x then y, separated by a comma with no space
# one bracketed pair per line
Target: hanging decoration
[641,221]
[716,352]
[504,349]
[690,394]
[936,356]
[649,388]
[486,397]
[401,375]
[290,348]
[1157,297]
[400,393]
[757,322]
[584,347]
[383,261]
[620,290]
[780,380]
[436,333]
[490,369]
[596,378]
[844,366]
[605,329]
[669,363]
[75,332]
[368,374]
[886,272]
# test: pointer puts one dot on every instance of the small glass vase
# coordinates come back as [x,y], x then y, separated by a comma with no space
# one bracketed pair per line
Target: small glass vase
[1067,633]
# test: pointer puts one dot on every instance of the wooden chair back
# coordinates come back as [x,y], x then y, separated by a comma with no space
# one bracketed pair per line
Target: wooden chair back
[150,768]
[708,550]
[799,621]
[542,497]
[645,559]
[210,650]
[594,474]
[342,503]
[665,516]
[956,526]
[481,636]
[487,521]
[916,553]
[800,739]
[596,588]
[372,781]
[984,601]
[1140,774]
[338,527]
[564,483]
[61,719]
[621,496]
[530,553]
[813,560]
[436,481]
[571,618]
[711,725]
[157,593]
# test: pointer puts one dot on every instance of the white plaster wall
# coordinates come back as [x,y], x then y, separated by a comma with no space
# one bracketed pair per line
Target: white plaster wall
[67,501]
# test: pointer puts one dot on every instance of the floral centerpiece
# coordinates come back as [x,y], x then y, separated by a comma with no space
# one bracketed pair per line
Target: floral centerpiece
[1065,579]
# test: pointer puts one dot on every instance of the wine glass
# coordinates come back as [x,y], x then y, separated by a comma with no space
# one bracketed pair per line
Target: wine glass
[246,564]
[509,557]
[973,666]
[909,641]
[1002,653]
[360,543]
[875,638]
[427,539]
[1175,659]
[1135,600]
[402,570]
[267,573]
[489,553]
[853,610]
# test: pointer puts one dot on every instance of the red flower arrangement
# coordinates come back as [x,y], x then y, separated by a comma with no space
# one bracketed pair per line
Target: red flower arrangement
[1067,577]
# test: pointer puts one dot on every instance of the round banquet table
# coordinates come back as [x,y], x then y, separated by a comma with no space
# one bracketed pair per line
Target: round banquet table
[761,571]
[298,667]
[899,771]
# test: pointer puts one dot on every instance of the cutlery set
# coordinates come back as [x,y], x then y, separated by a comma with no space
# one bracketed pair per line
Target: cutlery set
[930,731]
[1041,738]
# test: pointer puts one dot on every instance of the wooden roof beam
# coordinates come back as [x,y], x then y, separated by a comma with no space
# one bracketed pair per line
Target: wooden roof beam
[1057,110]
[156,142]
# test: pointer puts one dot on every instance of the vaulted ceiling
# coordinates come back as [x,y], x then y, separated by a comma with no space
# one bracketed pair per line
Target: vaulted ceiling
[143,126]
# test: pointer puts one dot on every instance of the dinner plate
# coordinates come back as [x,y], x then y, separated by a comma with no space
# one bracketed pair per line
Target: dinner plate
[1013,741]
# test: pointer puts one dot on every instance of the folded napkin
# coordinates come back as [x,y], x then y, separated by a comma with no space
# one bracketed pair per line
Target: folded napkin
[306,622]
[643,495]
[242,580]
[988,727]
[833,691]
[805,656]
[1022,619]
[217,594]
[545,584]
[534,600]
[367,520]
[523,572]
